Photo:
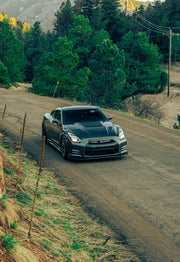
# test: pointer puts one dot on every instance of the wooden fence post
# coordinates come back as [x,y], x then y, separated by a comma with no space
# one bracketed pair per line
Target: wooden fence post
[37,184]
[20,156]
[2,186]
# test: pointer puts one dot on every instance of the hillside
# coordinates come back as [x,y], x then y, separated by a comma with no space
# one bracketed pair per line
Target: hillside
[44,10]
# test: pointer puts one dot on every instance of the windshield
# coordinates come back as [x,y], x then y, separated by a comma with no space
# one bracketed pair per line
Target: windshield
[74,116]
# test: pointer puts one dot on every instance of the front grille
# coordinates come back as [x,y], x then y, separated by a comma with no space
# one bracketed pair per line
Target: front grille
[105,147]
[100,141]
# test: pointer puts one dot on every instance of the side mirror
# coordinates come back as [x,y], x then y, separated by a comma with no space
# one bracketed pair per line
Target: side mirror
[55,121]
[110,117]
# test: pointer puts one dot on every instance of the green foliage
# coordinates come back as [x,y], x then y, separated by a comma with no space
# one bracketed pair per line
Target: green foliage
[23,198]
[3,202]
[4,79]
[142,66]
[80,34]
[11,53]
[108,78]
[164,80]
[95,52]
[8,242]
[157,20]
[39,212]
[64,19]
[35,46]
[14,225]
[59,65]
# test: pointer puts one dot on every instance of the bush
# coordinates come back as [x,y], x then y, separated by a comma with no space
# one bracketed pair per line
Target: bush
[8,242]
[144,109]
[164,80]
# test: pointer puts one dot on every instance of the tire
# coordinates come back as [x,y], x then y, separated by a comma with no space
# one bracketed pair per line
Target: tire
[64,148]
[44,134]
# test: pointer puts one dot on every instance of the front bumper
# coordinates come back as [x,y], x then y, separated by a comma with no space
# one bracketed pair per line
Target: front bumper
[98,148]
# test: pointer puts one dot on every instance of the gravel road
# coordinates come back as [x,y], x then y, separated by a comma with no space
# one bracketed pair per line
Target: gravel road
[137,195]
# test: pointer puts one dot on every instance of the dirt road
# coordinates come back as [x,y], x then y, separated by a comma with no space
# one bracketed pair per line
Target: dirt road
[138,195]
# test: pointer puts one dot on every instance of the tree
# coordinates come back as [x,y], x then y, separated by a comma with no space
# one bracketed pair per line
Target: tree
[142,66]
[107,72]
[4,79]
[11,53]
[111,16]
[80,34]
[35,46]
[85,7]
[64,19]
[59,65]
[156,21]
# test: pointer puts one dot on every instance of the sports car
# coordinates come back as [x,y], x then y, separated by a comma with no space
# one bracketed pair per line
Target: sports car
[83,132]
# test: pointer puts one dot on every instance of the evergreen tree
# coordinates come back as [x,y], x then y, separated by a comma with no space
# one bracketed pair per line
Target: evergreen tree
[80,34]
[110,15]
[4,79]
[156,21]
[77,7]
[35,45]
[88,7]
[142,66]
[107,72]
[11,53]
[64,19]
[59,65]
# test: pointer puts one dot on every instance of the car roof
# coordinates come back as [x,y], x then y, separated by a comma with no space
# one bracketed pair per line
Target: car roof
[75,108]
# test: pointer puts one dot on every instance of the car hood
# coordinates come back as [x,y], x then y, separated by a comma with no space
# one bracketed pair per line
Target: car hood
[90,129]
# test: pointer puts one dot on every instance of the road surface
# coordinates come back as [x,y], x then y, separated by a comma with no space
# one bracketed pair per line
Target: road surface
[137,196]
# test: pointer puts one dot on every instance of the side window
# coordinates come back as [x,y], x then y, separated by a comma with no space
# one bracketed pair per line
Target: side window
[57,115]
[52,113]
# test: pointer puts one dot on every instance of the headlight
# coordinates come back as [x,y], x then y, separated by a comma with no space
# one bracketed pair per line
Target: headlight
[74,138]
[121,134]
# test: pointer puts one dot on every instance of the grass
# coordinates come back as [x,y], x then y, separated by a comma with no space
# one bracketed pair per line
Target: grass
[61,230]
[8,242]
[3,202]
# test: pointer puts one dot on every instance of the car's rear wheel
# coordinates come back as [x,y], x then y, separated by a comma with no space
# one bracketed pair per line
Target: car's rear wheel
[64,148]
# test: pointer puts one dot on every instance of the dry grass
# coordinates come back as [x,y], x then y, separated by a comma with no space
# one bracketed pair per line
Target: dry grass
[146,109]
[61,230]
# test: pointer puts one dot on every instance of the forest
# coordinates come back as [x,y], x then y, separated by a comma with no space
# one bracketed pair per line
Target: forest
[96,53]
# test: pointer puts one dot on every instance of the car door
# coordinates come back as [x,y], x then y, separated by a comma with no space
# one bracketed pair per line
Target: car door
[56,127]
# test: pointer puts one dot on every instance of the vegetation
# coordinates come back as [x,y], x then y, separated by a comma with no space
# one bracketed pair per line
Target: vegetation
[96,53]
[8,242]
[61,230]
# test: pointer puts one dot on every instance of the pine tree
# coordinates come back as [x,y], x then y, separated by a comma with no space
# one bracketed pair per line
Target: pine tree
[35,45]
[64,19]
[80,34]
[60,65]
[11,52]
[142,65]
[107,72]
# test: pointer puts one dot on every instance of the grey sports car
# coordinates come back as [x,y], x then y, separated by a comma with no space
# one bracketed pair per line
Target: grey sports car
[83,132]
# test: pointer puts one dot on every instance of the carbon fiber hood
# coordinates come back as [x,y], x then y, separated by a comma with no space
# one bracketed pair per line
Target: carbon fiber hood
[90,129]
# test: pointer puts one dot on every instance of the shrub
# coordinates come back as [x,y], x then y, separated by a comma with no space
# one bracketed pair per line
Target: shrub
[144,109]
[8,242]
[4,79]
[3,202]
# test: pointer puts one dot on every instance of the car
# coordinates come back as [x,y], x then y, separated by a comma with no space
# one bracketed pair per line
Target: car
[83,132]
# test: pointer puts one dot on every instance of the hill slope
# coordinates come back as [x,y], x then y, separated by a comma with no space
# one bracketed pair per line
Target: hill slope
[44,10]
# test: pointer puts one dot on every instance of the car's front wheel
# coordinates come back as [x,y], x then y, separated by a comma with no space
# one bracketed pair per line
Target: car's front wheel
[64,148]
